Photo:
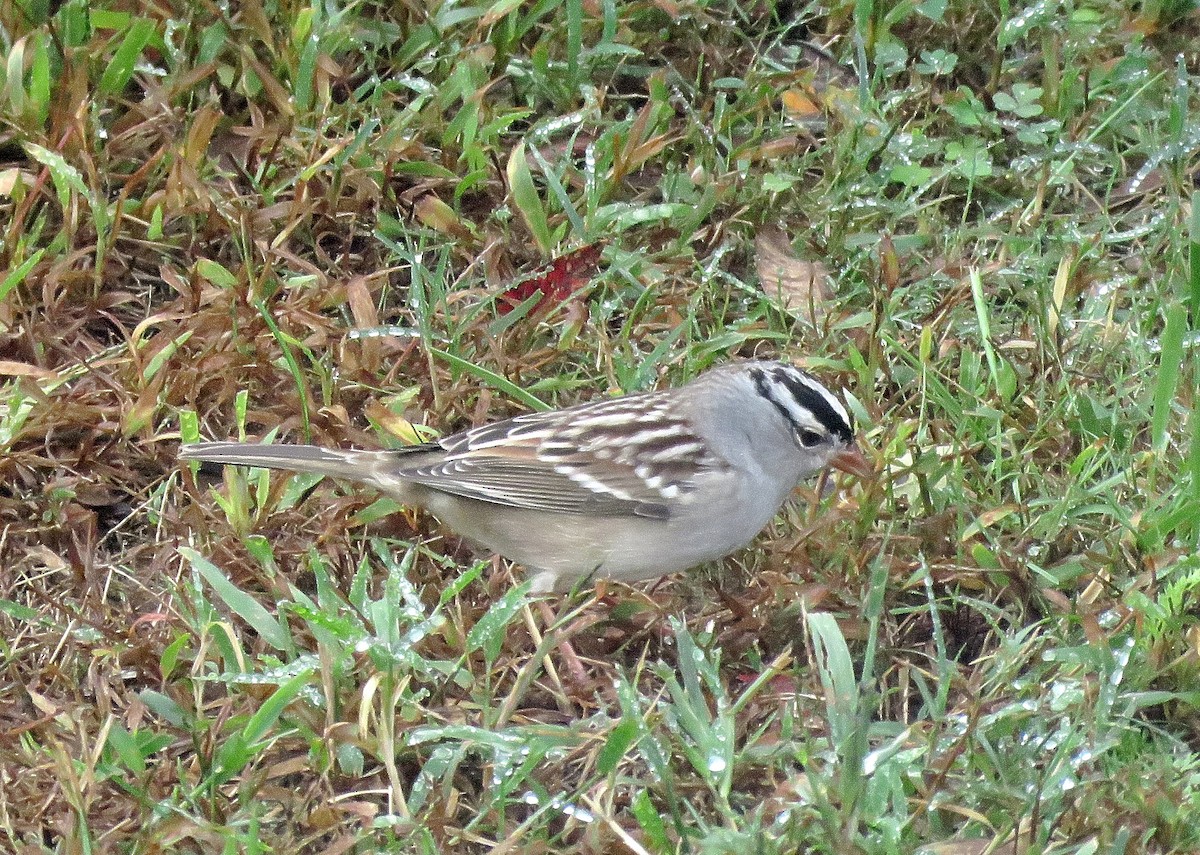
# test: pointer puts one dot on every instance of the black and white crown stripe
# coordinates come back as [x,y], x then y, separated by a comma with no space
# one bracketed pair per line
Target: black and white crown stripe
[805,403]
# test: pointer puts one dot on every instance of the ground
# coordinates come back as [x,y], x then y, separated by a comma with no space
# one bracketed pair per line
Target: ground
[371,224]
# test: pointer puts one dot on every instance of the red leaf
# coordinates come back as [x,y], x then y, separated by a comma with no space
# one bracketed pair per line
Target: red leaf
[556,281]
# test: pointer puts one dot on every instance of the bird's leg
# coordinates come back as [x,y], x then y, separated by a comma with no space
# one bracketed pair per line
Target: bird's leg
[560,692]
[550,622]
[574,665]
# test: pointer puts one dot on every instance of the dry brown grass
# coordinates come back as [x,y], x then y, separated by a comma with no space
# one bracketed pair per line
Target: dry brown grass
[210,220]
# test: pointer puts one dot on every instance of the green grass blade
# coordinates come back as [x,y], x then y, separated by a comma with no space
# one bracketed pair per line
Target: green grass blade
[270,628]
[526,199]
[1170,360]
[1193,262]
[120,67]
[493,379]
[17,275]
[286,348]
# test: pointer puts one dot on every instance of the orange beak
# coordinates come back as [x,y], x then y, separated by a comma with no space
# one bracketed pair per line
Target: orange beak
[852,462]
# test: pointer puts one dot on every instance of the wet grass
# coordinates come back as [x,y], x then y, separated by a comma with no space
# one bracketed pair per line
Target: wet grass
[325,224]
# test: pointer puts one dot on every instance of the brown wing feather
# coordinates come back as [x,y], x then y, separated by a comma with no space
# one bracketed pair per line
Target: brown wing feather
[569,461]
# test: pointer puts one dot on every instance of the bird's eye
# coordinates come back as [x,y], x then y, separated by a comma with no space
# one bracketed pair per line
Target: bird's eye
[809,438]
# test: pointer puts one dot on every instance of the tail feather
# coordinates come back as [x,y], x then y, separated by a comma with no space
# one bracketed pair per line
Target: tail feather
[350,464]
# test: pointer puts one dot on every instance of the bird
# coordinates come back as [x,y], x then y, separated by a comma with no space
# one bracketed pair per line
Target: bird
[627,488]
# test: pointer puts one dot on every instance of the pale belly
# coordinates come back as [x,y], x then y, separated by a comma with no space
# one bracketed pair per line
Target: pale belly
[559,550]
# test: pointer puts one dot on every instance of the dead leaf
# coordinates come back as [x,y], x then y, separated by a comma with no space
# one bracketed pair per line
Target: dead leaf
[10,368]
[556,281]
[801,287]
[393,423]
[440,217]
[362,308]
[889,263]
[798,105]
[10,178]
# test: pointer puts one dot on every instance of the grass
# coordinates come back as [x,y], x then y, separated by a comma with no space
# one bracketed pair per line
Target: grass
[309,223]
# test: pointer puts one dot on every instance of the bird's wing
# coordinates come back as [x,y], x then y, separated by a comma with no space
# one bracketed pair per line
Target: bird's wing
[572,461]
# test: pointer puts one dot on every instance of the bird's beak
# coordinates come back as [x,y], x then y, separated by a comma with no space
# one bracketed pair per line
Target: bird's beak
[852,461]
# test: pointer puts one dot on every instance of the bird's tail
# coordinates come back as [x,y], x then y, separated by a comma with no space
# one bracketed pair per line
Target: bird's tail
[349,464]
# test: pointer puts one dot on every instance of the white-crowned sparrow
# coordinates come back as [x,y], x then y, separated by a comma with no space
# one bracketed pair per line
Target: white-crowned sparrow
[626,488]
